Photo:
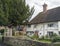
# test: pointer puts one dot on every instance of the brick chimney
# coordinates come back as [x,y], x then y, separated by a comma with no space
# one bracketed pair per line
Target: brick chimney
[44,8]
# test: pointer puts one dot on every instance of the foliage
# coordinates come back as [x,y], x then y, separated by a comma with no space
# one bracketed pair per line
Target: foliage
[35,37]
[44,39]
[51,36]
[2,31]
[56,39]
[14,12]
[54,35]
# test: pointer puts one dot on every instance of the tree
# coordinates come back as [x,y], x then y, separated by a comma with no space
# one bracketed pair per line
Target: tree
[14,12]
[3,13]
[18,12]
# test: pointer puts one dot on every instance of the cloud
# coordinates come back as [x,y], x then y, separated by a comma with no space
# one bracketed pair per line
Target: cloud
[38,4]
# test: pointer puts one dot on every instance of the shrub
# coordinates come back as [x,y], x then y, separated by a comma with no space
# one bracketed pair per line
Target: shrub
[51,36]
[54,35]
[35,37]
[56,39]
[2,31]
[44,39]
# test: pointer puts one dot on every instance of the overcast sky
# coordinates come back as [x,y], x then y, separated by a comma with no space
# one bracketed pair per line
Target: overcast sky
[38,5]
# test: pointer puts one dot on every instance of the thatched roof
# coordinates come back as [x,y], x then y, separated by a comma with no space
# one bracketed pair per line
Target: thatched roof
[51,15]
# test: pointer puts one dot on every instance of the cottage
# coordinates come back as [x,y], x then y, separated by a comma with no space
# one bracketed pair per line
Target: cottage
[45,23]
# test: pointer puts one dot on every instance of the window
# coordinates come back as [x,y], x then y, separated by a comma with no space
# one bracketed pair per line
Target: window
[50,33]
[20,28]
[50,25]
[30,32]
[40,33]
[59,32]
[35,25]
[29,25]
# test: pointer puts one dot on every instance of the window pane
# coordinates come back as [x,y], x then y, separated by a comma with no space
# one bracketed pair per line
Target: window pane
[35,25]
[59,32]
[29,25]
[50,33]
[50,25]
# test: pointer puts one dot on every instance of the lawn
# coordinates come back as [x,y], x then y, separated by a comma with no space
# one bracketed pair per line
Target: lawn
[57,44]
[43,41]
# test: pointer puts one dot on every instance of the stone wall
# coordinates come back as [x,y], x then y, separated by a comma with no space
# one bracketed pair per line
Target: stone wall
[22,42]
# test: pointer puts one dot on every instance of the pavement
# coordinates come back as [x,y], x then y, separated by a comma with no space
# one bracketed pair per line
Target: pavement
[2,44]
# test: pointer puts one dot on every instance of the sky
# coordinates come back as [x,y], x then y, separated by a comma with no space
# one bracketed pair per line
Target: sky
[39,3]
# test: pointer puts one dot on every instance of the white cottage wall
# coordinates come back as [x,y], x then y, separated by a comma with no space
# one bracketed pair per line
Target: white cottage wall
[43,28]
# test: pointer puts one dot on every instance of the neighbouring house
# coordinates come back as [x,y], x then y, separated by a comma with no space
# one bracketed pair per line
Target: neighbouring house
[11,31]
[7,31]
[45,23]
[20,30]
